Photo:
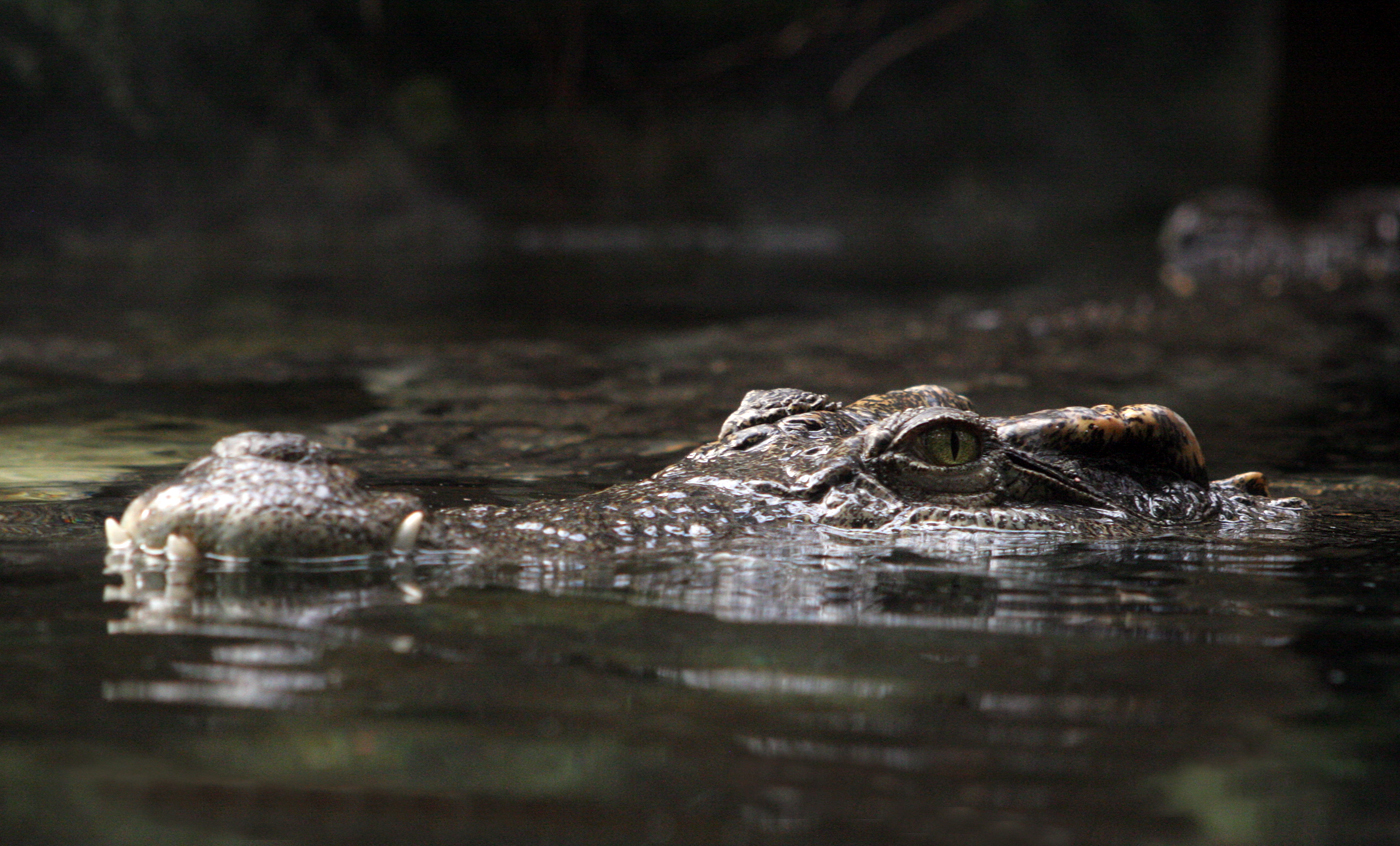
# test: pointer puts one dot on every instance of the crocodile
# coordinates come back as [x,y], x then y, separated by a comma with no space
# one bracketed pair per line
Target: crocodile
[1229,239]
[912,460]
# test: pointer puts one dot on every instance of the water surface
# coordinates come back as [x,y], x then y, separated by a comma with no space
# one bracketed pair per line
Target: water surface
[808,688]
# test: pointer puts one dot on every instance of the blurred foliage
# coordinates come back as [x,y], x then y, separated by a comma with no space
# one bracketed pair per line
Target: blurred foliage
[311,122]
[143,60]
[176,65]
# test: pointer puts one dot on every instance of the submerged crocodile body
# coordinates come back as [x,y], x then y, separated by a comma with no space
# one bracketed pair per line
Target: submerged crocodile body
[914,460]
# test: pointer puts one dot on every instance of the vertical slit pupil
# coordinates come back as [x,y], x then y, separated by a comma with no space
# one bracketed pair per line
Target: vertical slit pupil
[950,446]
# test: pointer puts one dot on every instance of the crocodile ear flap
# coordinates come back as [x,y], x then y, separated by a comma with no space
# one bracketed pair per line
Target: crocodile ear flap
[1148,435]
[770,406]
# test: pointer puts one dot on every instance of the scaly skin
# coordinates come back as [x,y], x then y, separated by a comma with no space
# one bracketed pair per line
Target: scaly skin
[913,460]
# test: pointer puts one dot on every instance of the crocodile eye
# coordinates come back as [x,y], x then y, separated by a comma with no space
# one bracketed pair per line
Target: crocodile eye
[947,446]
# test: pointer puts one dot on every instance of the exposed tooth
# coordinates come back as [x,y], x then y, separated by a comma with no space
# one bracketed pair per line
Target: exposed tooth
[117,537]
[180,548]
[131,516]
[406,535]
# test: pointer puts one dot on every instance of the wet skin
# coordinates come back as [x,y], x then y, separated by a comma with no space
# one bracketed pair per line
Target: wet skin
[915,460]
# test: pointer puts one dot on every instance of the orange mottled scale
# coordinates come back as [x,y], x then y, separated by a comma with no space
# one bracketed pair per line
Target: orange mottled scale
[1151,433]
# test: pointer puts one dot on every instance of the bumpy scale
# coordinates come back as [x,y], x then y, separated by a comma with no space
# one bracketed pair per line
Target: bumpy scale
[913,460]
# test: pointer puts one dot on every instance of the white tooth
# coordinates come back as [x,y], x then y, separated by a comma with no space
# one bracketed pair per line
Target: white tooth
[117,537]
[132,515]
[406,535]
[180,548]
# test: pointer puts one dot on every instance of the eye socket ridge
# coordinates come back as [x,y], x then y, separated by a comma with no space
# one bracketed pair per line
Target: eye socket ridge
[746,439]
[802,423]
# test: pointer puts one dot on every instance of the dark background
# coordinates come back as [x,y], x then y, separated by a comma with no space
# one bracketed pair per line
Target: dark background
[515,163]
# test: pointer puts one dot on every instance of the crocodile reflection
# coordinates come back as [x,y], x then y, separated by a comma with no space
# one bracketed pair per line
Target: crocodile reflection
[1004,582]
[797,575]
[918,460]
[796,580]
[495,678]
[274,631]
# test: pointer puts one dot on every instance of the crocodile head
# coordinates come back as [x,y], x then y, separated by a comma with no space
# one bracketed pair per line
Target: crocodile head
[922,457]
[915,459]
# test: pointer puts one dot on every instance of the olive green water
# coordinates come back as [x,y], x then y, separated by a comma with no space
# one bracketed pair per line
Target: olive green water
[1170,691]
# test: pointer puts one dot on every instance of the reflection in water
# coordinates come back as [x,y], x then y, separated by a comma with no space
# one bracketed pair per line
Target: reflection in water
[285,615]
[816,687]
[984,581]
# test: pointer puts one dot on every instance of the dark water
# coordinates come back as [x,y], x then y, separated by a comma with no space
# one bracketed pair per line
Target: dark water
[815,689]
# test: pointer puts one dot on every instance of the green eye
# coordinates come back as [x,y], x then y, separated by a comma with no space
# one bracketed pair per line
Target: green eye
[948,446]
